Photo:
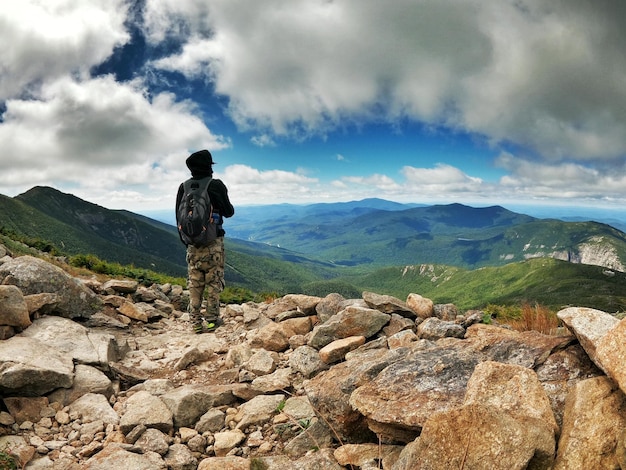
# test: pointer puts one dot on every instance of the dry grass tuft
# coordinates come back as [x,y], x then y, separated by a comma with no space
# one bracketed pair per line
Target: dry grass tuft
[536,318]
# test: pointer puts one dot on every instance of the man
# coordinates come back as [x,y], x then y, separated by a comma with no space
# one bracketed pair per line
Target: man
[205,264]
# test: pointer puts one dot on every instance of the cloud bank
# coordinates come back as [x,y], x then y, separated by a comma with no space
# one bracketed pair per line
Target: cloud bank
[540,82]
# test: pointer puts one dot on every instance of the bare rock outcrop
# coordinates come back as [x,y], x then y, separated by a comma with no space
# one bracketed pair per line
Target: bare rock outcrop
[116,379]
[34,276]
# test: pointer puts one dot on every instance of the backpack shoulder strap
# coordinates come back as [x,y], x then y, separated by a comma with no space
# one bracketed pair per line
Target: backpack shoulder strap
[208,182]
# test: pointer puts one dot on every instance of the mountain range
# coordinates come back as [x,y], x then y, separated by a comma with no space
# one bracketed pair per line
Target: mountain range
[345,247]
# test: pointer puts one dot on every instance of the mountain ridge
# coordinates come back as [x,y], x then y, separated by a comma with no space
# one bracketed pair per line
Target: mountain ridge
[343,251]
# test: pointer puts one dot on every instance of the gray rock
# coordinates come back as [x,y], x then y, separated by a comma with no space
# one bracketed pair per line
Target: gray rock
[300,302]
[148,410]
[329,306]
[13,308]
[433,329]
[329,392]
[34,276]
[179,457]
[261,363]
[561,371]
[306,360]
[588,325]
[76,341]
[121,286]
[87,379]
[259,410]
[114,456]
[447,312]
[94,407]
[276,381]
[189,402]
[153,440]
[211,421]
[316,435]
[156,387]
[388,304]
[433,379]
[29,367]
[352,321]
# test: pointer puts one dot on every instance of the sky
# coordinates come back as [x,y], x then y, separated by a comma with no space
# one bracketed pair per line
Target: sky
[478,102]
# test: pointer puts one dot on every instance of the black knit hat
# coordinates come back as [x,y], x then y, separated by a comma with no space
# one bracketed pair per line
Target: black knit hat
[200,162]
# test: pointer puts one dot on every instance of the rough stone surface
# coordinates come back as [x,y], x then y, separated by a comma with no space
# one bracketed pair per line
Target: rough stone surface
[34,276]
[594,418]
[439,391]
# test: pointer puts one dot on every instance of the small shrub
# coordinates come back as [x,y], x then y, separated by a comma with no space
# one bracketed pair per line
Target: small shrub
[267,297]
[258,464]
[281,406]
[7,461]
[236,295]
[502,313]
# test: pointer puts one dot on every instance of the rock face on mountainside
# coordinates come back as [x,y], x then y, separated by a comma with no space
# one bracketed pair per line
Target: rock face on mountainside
[100,375]
[596,253]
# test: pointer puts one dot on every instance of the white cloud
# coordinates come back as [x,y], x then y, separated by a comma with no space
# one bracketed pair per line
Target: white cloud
[545,75]
[175,19]
[249,185]
[441,180]
[43,40]
[98,133]
[376,182]
[560,181]
[264,140]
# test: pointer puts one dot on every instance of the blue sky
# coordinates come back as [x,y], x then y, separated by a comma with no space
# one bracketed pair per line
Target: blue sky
[428,101]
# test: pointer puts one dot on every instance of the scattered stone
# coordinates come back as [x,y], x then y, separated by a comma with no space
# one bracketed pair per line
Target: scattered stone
[337,350]
[109,375]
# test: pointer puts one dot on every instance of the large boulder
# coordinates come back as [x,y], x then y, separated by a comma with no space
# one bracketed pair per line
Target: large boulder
[35,276]
[77,342]
[352,321]
[433,377]
[594,419]
[13,307]
[29,367]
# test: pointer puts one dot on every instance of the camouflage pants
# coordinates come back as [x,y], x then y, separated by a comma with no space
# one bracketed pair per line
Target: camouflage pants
[205,270]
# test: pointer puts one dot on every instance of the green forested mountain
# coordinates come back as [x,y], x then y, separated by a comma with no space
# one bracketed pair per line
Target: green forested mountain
[551,282]
[350,247]
[452,234]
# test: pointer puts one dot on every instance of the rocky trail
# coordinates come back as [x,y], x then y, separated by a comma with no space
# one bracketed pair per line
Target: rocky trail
[107,374]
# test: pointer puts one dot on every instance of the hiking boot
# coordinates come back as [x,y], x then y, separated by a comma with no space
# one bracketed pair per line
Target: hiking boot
[198,328]
[211,325]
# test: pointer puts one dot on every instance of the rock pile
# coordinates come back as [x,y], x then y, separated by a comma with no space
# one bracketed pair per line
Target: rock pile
[100,375]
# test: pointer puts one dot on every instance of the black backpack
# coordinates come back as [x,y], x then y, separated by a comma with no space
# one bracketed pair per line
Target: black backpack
[194,212]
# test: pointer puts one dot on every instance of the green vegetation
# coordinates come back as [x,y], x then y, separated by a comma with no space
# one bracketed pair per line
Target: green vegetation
[76,227]
[281,406]
[144,276]
[8,461]
[258,464]
[550,282]
[471,257]
[15,240]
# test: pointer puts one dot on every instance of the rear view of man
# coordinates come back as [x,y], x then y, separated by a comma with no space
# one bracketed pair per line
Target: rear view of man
[205,262]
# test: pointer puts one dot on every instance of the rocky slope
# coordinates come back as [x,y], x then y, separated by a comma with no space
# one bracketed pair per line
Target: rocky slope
[100,375]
